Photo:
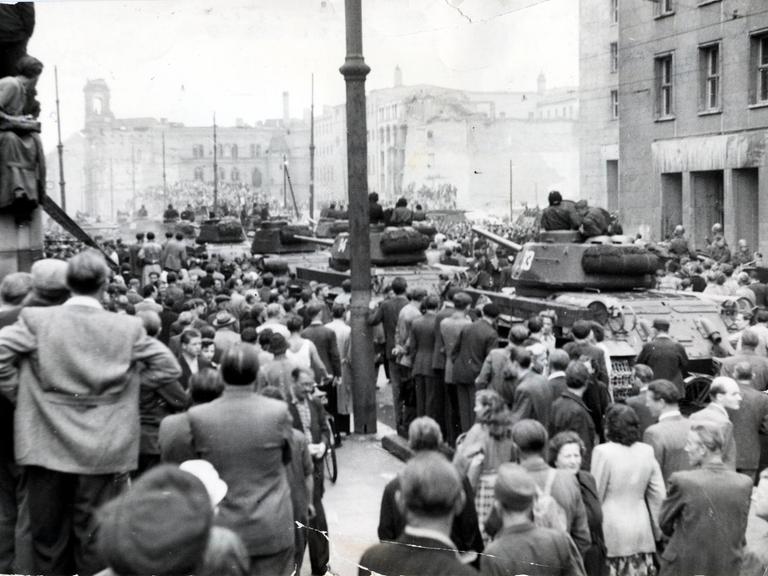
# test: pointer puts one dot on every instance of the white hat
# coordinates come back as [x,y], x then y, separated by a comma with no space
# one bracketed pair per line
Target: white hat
[208,475]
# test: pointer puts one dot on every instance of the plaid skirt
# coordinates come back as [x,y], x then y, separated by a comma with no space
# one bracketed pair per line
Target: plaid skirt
[484,502]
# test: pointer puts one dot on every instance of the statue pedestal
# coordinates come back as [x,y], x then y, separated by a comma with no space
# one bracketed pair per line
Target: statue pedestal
[20,245]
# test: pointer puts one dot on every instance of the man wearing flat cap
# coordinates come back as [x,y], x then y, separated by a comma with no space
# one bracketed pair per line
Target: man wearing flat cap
[665,356]
[559,216]
[226,333]
[522,547]
[74,372]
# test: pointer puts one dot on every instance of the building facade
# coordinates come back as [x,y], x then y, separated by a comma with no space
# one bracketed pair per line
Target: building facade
[694,118]
[599,101]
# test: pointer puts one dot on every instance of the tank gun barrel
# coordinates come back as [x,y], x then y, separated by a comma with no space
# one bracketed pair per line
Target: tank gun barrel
[312,239]
[514,246]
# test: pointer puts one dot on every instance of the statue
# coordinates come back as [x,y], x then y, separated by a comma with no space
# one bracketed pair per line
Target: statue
[22,161]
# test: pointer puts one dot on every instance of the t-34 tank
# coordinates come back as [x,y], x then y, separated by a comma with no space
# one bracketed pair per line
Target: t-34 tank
[223,237]
[607,280]
[280,237]
[395,251]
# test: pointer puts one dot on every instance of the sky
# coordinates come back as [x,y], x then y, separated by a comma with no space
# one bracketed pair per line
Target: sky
[186,59]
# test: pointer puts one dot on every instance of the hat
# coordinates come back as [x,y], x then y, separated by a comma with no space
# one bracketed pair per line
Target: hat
[661,324]
[207,474]
[49,277]
[555,198]
[491,310]
[222,298]
[515,489]
[223,319]
[160,526]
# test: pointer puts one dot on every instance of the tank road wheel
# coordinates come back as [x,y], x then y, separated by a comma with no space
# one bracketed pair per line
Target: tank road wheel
[696,392]
[617,319]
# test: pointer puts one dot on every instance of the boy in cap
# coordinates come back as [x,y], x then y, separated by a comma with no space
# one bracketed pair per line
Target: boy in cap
[522,547]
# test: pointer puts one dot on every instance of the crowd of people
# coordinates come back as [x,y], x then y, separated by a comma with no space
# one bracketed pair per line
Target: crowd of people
[170,415]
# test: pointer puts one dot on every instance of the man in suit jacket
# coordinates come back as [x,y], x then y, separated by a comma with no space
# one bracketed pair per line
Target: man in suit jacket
[421,347]
[669,435]
[533,397]
[150,300]
[431,495]
[748,353]
[189,359]
[570,413]
[475,342]
[233,432]
[174,255]
[724,394]
[309,417]
[705,513]
[642,376]
[522,547]
[387,314]
[558,363]
[74,371]
[750,422]
[666,357]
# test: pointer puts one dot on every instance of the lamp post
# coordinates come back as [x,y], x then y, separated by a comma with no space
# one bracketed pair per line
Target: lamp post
[354,71]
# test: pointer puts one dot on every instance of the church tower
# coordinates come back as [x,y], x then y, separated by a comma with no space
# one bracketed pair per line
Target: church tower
[97,107]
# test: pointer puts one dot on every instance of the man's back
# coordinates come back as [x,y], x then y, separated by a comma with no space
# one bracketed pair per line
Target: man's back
[705,516]
[668,438]
[750,421]
[324,340]
[475,343]
[570,413]
[528,549]
[413,556]
[637,403]
[78,377]
[387,313]
[423,344]
[759,365]
[666,358]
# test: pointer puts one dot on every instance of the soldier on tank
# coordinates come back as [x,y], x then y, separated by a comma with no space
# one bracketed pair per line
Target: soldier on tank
[718,250]
[558,216]
[594,219]
[679,245]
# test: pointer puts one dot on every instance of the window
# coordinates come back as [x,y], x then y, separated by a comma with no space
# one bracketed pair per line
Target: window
[614,104]
[234,151]
[758,86]
[614,56]
[199,173]
[664,7]
[235,175]
[253,150]
[709,77]
[614,11]
[664,95]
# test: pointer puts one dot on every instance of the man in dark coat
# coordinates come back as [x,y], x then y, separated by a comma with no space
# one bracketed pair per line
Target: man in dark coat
[532,397]
[557,216]
[748,353]
[375,211]
[666,357]
[309,417]
[522,547]
[570,413]
[750,422]
[475,342]
[236,429]
[387,313]
[642,376]
[324,340]
[421,346]
[430,496]
[669,435]
[705,513]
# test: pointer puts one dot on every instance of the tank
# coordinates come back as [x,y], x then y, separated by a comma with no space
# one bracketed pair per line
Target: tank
[607,280]
[223,237]
[280,237]
[395,251]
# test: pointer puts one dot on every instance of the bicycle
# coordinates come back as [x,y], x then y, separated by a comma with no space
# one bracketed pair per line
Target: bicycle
[329,460]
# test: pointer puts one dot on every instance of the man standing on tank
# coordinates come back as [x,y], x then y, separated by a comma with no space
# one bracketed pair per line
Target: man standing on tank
[557,216]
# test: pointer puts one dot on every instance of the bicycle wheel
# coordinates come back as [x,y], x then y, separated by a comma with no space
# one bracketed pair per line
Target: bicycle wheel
[331,469]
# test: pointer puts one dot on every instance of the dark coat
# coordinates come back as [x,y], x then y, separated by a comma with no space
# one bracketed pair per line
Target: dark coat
[570,413]
[465,532]
[576,350]
[476,340]
[325,341]
[705,517]
[413,556]
[17,21]
[532,399]
[557,386]
[668,438]
[232,433]
[594,556]
[186,372]
[421,344]
[375,212]
[559,218]
[667,359]
[750,422]
[387,313]
[529,549]
[759,365]
[320,433]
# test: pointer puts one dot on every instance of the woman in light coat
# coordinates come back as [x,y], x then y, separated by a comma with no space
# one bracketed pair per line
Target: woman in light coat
[631,489]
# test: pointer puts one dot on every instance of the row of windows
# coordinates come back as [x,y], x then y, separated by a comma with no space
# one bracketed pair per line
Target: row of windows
[234,175]
[667,7]
[709,81]
[225,150]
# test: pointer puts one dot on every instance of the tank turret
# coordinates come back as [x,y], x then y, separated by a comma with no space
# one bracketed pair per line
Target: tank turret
[390,246]
[560,261]
[280,237]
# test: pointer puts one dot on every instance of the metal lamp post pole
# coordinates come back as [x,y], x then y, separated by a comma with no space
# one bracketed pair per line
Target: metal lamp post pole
[354,71]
